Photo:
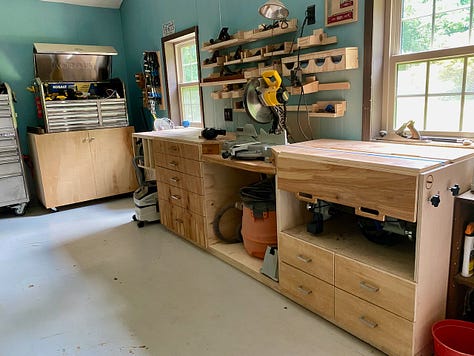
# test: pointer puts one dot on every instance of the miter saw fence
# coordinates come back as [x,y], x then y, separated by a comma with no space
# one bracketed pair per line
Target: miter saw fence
[248,151]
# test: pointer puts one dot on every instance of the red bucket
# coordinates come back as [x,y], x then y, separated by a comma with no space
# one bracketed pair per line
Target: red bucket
[453,338]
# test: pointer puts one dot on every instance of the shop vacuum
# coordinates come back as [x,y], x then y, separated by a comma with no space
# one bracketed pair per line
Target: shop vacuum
[145,197]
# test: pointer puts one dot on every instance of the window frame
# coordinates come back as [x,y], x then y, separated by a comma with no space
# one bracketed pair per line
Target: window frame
[392,43]
[179,73]
[171,74]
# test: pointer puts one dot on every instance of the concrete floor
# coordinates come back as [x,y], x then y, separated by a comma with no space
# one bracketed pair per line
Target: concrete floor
[86,281]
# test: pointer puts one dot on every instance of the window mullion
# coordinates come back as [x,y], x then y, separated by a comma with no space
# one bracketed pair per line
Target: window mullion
[425,110]
[470,20]
[433,17]
[463,93]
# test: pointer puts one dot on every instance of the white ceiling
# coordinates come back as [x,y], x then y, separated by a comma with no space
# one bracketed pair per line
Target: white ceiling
[114,4]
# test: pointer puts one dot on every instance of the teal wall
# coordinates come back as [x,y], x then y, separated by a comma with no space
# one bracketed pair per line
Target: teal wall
[23,22]
[137,27]
[142,22]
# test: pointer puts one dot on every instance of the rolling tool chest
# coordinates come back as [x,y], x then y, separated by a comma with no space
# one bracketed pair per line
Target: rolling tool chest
[13,189]
[74,90]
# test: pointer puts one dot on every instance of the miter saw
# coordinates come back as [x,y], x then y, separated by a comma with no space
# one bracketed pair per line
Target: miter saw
[265,101]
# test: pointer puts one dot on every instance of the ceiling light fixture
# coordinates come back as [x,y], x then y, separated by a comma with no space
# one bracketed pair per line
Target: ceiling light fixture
[274,10]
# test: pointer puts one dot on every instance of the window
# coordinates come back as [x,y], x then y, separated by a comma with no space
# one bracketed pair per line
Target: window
[188,82]
[430,66]
[183,77]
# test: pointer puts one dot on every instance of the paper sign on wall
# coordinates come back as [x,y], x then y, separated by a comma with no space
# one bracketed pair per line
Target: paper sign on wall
[168,28]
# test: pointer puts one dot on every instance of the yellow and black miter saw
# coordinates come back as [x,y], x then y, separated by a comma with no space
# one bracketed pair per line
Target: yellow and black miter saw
[265,100]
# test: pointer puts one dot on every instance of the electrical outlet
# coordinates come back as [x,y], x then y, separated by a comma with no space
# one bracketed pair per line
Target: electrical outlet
[311,14]
[227,114]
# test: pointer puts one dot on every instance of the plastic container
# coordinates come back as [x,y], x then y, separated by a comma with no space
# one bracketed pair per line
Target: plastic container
[258,230]
[453,338]
[468,254]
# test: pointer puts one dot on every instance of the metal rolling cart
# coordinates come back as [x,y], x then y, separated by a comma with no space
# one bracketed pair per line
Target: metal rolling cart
[13,188]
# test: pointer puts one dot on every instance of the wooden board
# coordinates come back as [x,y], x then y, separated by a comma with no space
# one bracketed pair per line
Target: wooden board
[111,152]
[252,166]
[235,255]
[374,193]
[451,154]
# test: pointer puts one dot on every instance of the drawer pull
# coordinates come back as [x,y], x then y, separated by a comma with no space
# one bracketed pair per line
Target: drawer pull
[179,221]
[173,148]
[306,197]
[369,287]
[368,322]
[369,213]
[304,259]
[176,197]
[173,163]
[174,179]
[304,290]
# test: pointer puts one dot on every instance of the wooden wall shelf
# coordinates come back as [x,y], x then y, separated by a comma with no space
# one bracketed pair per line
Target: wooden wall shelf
[318,107]
[223,82]
[243,37]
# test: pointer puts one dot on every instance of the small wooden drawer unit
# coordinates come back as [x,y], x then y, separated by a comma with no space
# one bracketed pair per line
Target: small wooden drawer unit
[179,173]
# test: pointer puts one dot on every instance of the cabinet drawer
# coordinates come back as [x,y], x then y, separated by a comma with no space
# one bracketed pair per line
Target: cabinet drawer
[183,222]
[177,149]
[385,290]
[307,257]
[180,180]
[6,122]
[307,290]
[180,197]
[9,168]
[12,190]
[373,193]
[386,331]
[183,165]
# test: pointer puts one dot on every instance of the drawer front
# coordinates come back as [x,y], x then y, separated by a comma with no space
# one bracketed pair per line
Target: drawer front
[188,225]
[180,197]
[7,139]
[165,213]
[382,329]
[387,291]
[307,290]
[180,180]
[372,193]
[306,257]
[8,169]
[178,164]
[12,190]
[183,150]
[183,222]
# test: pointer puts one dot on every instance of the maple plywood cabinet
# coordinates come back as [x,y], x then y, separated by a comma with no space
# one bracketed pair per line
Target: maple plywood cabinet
[191,191]
[77,166]
[389,296]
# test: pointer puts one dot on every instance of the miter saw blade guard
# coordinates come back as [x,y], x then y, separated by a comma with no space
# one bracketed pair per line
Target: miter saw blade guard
[252,103]
[265,100]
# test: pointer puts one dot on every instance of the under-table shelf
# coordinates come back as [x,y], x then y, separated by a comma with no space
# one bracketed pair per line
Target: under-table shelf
[235,255]
[342,235]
